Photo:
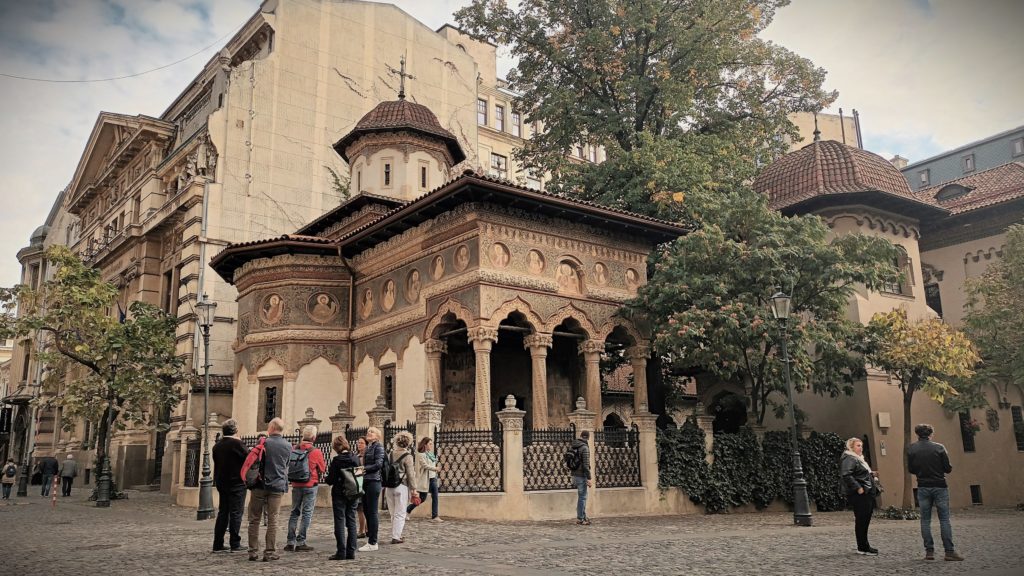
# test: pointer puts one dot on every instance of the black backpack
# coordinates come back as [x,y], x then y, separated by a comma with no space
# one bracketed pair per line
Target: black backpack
[298,465]
[572,458]
[390,473]
[10,471]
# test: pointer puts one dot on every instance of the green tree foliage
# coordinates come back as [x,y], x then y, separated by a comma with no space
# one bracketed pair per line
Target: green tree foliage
[682,94]
[995,316]
[708,299]
[76,315]
[926,355]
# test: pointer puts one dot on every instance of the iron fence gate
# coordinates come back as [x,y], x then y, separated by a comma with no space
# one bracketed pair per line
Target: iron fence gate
[192,452]
[543,458]
[617,458]
[469,460]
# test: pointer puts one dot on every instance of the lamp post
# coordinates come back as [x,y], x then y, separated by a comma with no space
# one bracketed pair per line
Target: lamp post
[205,511]
[801,504]
[103,479]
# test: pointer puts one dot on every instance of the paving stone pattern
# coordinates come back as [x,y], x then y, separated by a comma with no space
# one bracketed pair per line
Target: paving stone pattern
[147,535]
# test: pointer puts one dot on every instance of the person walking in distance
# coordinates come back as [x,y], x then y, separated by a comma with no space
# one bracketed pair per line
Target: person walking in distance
[581,475]
[373,460]
[360,452]
[68,472]
[305,466]
[228,456]
[48,468]
[342,476]
[929,461]
[8,476]
[426,476]
[271,456]
[861,488]
[399,496]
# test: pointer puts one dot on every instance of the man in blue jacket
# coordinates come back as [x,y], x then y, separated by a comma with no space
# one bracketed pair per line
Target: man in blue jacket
[268,495]
[929,461]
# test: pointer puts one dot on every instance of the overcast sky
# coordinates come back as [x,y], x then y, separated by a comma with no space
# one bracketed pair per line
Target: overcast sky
[926,76]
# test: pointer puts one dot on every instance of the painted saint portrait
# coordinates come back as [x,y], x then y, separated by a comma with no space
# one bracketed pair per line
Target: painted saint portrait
[322,308]
[499,255]
[632,279]
[437,267]
[535,262]
[412,287]
[367,304]
[567,278]
[272,309]
[461,257]
[387,299]
[600,273]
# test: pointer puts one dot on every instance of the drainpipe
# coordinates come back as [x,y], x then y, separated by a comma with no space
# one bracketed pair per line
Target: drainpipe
[351,342]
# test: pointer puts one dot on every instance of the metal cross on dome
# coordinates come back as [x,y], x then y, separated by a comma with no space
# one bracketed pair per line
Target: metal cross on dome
[402,76]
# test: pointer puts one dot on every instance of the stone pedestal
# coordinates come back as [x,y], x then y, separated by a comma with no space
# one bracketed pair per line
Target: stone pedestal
[646,423]
[537,345]
[707,424]
[341,420]
[428,415]
[511,420]
[310,420]
[380,414]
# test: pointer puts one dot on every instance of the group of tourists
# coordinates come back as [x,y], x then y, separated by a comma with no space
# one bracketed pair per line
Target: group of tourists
[357,476]
[927,460]
[48,470]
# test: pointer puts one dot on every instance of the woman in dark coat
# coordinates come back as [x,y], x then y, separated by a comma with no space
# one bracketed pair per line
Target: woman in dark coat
[860,483]
[344,507]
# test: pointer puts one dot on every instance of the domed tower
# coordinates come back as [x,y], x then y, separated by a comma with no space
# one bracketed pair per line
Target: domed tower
[400,150]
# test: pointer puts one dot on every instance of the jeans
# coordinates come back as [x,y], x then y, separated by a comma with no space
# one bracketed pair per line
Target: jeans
[581,497]
[345,521]
[7,491]
[47,482]
[423,498]
[371,503]
[229,517]
[259,501]
[863,505]
[66,482]
[303,501]
[398,499]
[939,498]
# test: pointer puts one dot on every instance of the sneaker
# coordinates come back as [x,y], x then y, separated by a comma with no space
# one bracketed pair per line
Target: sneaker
[270,557]
[303,548]
[254,556]
[953,557]
[289,548]
[436,519]
[239,549]
[336,557]
[929,554]
[368,547]
[361,535]
[868,552]
[220,550]
[585,522]
[397,541]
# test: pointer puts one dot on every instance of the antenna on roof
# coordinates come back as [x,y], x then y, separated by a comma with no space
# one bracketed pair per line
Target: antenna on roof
[842,125]
[817,133]
[402,76]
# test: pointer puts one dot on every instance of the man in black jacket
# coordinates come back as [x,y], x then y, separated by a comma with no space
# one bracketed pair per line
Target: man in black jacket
[581,476]
[48,468]
[228,455]
[930,463]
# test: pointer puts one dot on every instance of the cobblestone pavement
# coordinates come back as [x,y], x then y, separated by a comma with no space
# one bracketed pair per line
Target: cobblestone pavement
[149,536]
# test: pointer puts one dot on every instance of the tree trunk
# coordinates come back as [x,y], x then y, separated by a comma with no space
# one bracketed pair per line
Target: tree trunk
[908,491]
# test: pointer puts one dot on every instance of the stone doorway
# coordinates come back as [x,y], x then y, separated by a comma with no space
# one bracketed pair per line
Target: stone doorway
[566,371]
[730,412]
[458,372]
[511,369]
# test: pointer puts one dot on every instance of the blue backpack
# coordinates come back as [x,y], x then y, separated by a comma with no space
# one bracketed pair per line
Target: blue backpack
[298,465]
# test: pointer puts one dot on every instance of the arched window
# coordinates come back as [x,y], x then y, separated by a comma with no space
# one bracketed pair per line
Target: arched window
[902,285]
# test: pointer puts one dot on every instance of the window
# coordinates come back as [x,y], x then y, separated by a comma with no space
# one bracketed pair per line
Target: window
[499,166]
[924,176]
[593,154]
[270,404]
[976,494]
[1018,426]
[534,129]
[933,297]
[532,180]
[27,359]
[968,163]
[481,112]
[517,125]
[387,385]
[359,181]
[499,117]
[423,177]
[579,151]
[387,174]
[34,275]
[902,285]
[1017,146]
[967,431]
[166,300]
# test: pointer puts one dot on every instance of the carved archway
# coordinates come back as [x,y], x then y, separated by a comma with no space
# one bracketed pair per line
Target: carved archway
[624,325]
[516,304]
[570,311]
[453,307]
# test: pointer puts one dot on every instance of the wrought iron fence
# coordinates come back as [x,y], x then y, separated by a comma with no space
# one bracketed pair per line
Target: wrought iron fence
[353,434]
[543,458]
[192,452]
[391,430]
[321,443]
[617,458]
[469,460]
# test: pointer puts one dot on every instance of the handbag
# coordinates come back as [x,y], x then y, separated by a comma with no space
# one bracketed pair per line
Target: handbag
[351,483]
[876,486]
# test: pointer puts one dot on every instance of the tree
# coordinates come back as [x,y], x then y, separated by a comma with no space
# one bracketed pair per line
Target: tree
[995,317]
[708,299]
[83,330]
[680,87]
[926,355]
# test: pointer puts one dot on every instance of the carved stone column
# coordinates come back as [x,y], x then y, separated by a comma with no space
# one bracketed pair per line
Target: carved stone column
[380,413]
[538,345]
[309,420]
[638,358]
[706,423]
[647,424]
[434,349]
[428,415]
[591,351]
[511,419]
[341,420]
[483,339]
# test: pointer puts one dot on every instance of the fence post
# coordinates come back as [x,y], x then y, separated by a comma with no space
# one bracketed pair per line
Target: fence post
[380,413]
[187,433]
[646,423]
[707,424]
[428,416]
[511,419]
[583,419]
[341,420]
[309,420]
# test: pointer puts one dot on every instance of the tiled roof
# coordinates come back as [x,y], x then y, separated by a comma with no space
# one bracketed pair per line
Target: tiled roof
[985,188]
[828,168]
[401,115]
[218,383]
[284,238]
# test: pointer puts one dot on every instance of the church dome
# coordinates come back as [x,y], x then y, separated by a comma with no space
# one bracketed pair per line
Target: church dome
[39,235]
[401,115]
[826,171]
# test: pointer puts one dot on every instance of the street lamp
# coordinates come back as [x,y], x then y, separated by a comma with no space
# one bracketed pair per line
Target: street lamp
[801,505]
[103,479]
[206,308]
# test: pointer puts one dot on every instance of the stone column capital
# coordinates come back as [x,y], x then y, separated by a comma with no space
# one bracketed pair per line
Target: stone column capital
[591,347]
[646,421]
[482,336]
[538,343]
[434,346]
[638,353]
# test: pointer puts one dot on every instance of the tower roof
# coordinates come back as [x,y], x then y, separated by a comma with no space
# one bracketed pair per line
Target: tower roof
[830,172]
[401,115]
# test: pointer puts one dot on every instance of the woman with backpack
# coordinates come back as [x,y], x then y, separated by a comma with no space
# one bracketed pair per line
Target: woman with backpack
[373,461]
[345,494]
[8,477]
[398,496]
[426,476]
